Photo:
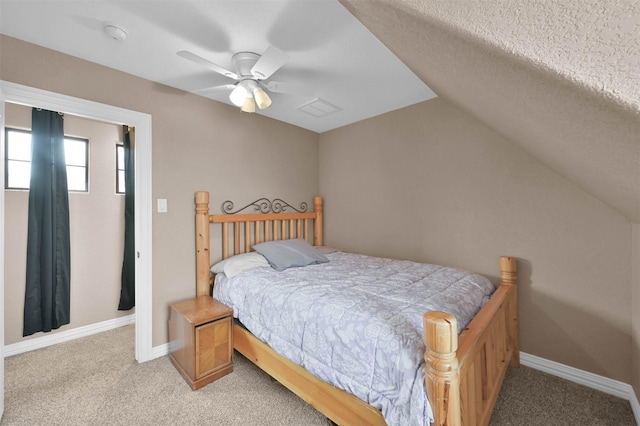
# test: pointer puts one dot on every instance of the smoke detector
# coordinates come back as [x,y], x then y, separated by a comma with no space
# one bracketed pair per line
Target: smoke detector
[115,32]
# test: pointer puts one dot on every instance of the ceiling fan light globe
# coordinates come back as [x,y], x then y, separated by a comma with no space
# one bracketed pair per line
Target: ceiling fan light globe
[249,105]
[262,99]
[238,95]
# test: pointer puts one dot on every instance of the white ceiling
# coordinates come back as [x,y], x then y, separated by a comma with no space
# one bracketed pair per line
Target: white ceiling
[331,55]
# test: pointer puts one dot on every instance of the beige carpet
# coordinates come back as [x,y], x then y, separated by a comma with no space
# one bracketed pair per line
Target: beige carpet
[96,381]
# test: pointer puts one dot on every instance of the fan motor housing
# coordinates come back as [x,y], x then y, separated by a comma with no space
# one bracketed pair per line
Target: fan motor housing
[243,62]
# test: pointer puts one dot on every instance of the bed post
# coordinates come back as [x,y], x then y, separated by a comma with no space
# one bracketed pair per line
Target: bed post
[317,223]
[443,375]
[202,243]
[508,278]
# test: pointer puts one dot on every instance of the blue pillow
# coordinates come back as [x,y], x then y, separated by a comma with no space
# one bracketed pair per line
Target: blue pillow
[289,253]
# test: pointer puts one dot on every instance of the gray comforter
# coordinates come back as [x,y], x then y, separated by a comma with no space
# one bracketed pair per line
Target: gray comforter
[356,322]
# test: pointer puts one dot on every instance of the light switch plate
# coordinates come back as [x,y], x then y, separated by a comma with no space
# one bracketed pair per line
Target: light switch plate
[162,205]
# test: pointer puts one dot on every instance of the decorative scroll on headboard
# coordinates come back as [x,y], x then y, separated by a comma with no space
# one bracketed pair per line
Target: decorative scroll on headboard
[240,231]
[273,221]
[264,205]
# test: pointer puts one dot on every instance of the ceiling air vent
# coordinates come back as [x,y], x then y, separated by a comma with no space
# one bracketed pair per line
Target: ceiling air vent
[318,108]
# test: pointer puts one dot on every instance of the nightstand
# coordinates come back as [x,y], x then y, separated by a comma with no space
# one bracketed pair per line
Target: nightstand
[201,340]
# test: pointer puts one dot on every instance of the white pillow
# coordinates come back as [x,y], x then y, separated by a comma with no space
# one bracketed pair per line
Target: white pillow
[233,265]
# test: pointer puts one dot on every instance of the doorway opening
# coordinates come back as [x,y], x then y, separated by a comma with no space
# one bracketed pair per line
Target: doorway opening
[28,96]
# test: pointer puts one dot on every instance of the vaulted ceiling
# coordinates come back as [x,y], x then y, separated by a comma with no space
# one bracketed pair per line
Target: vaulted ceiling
[559,78]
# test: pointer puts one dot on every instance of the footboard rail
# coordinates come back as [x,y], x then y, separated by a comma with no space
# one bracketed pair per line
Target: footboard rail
[465,373]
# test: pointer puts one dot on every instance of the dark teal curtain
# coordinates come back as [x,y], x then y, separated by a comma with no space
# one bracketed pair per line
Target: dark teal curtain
[128,291]
[47,301]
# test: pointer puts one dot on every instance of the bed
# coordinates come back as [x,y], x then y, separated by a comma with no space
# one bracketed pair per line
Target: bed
[463,372]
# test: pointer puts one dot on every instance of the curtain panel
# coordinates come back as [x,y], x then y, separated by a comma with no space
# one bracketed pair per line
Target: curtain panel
[128,290]
[47,293]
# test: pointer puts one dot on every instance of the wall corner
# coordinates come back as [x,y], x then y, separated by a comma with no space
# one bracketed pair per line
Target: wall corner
[635,307]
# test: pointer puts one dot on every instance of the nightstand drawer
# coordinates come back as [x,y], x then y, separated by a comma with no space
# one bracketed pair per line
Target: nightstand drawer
[214,347]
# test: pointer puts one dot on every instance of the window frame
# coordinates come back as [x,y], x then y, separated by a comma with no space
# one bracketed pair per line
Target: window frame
[119,146]
[27,131]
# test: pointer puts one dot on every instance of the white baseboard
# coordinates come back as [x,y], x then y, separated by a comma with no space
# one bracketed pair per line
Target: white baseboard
[594,381]
[65,336]
[159,351]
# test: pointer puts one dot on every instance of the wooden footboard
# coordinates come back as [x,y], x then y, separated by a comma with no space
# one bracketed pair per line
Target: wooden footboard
[464,373]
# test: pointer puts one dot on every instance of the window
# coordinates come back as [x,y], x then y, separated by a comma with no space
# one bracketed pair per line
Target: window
[76,156]
[18,161]
[120,169]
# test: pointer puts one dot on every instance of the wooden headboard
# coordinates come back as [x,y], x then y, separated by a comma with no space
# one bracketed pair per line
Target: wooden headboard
[271,223]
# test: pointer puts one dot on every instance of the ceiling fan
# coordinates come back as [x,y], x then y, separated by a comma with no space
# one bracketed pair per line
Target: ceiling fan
[251,71]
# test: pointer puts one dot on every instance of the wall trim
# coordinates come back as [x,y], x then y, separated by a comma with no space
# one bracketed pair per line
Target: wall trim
[585,378]
[67,335]
[160,351]
[76,333]
[2,253]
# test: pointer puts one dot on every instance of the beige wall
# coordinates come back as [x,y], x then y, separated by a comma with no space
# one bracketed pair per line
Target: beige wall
[463,195]
[97,232]
[635,312]
[198,144]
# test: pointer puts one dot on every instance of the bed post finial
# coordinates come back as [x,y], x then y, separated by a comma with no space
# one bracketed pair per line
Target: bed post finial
[202,243]
[508,268]
[443,375]
[317,223]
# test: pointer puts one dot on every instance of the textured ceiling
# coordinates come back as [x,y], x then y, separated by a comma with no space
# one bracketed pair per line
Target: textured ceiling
[592,43]
[559,79]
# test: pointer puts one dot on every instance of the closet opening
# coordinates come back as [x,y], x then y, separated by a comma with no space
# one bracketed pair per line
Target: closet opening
[10,94]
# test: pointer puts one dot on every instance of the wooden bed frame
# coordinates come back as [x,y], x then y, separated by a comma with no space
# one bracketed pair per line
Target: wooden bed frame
[464,373]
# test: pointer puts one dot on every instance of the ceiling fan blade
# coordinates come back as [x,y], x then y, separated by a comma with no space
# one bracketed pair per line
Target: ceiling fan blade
[207,64]
[215,89]
[287,88]
[270,61]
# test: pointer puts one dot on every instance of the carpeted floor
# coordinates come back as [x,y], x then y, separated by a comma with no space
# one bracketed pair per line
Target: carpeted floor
[96,381]
[531,397]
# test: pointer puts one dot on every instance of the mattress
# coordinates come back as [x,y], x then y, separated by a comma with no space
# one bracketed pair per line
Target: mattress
[356,322]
